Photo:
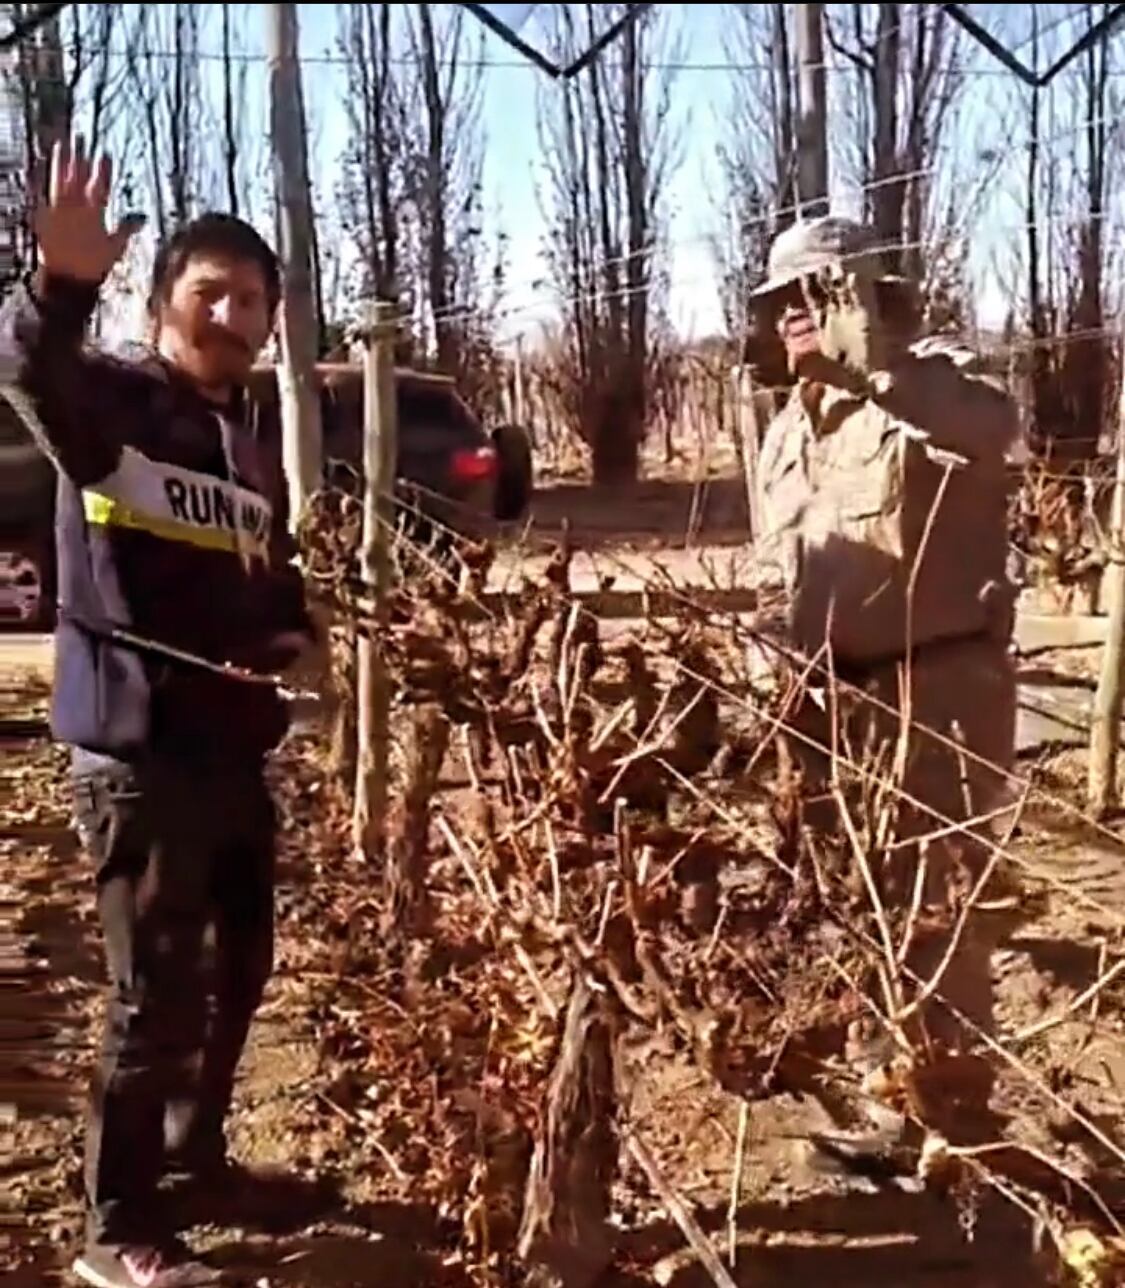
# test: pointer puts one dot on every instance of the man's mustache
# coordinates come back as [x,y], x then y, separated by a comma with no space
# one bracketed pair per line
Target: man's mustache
[219,336]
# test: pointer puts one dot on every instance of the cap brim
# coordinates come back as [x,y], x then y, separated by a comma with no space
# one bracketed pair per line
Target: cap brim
[774,284]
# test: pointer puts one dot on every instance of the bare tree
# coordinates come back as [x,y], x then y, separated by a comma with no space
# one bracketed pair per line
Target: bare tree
[757,153]
[375,155]
[46,92]
[181,95]
[902,103]
[64,74]
[448,193]
[163,58]
[1087,360]
[230,121]
[608,144]
[1073,164]
[1042,385]
[412,188]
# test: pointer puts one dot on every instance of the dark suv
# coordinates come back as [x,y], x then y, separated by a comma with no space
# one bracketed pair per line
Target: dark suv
[448,465]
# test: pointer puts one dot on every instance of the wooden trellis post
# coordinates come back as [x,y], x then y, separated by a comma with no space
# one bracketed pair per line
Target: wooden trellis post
[373,691]
[745,422]
[1105,736]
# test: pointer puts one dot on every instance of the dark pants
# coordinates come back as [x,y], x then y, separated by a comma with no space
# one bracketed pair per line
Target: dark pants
[965,691]
[180,848]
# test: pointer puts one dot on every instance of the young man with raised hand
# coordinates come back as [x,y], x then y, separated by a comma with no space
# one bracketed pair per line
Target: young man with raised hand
[174,563]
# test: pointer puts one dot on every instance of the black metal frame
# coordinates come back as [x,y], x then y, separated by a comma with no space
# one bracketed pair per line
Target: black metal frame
[545,64]
[1029,76]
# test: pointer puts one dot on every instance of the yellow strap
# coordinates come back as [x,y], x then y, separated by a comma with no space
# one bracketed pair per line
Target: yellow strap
[106,512]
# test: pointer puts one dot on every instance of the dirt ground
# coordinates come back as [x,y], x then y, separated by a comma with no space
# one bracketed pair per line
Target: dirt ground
[359,1210]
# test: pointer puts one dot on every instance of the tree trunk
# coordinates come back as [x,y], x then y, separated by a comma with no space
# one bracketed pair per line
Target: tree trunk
[785,143]
[230,132]
[926,63]
[812,129]
[300,403]
[610,247]
[1042,413]
[887,197]
[107,13]
[437,250]
[618,460]
[147,88]
[179,130]
[583,339]
[1087,358]
[424,749]
[564,1236]
[317,278]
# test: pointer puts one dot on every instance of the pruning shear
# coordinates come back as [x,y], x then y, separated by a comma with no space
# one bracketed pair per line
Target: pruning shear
[229,670]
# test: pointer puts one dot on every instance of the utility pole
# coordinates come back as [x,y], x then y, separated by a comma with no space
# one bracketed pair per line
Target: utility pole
[302,448]
[812,114]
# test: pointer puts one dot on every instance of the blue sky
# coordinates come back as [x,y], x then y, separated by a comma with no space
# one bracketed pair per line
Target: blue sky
[988,198]
[992,125]
[513,166]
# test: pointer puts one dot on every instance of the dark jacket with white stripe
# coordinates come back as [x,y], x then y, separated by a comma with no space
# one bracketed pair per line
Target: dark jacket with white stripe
[170,523]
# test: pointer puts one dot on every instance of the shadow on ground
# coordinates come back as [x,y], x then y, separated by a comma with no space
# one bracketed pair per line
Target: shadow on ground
[277,1204]
[908,1241]
[854,1241]
[367,1247]
[1066,962]
[56,967]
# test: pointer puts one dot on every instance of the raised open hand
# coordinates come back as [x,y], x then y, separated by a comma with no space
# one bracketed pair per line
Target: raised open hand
[70,224]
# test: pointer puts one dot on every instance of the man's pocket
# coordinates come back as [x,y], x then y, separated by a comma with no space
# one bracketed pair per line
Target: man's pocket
[108,815]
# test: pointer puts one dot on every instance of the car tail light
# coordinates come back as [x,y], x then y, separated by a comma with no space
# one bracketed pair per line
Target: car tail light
[473,465]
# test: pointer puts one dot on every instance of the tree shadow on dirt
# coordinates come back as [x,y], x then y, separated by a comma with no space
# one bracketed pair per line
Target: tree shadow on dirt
[366,1246]
[340,1261]
[278,1204]
[1070,828]
[1067,962]
[849,1241]
[48,1026]
[854,1241]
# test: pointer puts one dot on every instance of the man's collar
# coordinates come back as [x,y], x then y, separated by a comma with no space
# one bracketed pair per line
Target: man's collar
[817,400]
[173,376]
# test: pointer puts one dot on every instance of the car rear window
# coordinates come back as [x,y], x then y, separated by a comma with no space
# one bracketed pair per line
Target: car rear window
[422,404]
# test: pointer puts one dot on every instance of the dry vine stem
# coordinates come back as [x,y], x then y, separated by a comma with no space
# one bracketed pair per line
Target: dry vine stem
[810,663]
[791,655]
[736,1183]
[600,901]
[678,1210]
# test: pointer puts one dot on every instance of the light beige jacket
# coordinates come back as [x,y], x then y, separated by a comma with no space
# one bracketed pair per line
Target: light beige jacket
[887,517]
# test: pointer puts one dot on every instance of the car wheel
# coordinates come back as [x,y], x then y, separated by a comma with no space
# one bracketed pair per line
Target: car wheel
[514,474]
[27,603]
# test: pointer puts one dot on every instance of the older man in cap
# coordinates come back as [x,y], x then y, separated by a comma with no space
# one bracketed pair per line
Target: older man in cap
[884,490]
